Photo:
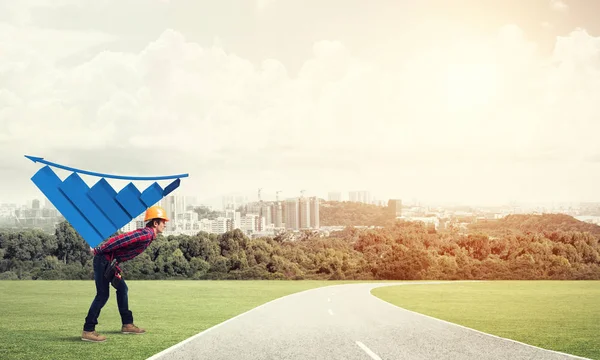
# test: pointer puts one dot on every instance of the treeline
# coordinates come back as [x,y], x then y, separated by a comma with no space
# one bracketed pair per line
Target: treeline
[333,213]
[538,223]
[401,250]
[205,213]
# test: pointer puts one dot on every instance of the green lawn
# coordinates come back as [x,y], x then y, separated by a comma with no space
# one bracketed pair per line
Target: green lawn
[44,319]
[558,315]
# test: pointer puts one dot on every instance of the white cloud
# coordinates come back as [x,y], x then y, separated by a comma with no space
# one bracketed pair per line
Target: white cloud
[481,117]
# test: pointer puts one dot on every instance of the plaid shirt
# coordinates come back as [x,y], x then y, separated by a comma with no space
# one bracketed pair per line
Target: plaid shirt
[126,246]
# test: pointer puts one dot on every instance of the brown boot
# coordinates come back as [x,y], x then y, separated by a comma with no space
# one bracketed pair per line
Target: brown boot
[131,329]
[92,336]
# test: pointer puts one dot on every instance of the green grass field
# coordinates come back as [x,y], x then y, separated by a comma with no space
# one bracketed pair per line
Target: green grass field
[558,315]
[44,319]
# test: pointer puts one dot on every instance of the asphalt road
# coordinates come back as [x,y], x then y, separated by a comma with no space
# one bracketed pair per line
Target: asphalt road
[345,322]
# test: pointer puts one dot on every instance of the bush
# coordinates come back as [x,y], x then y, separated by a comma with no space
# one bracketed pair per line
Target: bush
[9,275]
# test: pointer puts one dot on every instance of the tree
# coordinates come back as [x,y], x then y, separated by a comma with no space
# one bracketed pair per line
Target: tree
[70,245]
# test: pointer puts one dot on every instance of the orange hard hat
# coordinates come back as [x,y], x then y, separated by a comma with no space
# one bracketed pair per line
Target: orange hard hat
[156,212]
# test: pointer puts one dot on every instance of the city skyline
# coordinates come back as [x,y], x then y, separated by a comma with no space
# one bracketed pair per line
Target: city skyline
[270,218]
[216,202]
[423,100]
[220,203]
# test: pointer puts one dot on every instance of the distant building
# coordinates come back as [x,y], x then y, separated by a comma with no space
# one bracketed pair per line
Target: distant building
[174,206]
[234,202]
[314,214]
[222,225]
[395,207]
[335,196]
[360,196]
[252,223]
[292,213]
[266,216]
[304,212]
[277,214]
[235,217]
[308,213]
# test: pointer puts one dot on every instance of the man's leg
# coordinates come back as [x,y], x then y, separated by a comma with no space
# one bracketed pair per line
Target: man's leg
[102,294]
[123,303]
[126,314]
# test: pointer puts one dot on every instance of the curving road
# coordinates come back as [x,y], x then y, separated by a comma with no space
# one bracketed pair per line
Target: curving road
[345,322]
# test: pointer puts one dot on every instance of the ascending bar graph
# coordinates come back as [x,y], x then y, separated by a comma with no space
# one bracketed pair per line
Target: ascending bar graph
[97,212]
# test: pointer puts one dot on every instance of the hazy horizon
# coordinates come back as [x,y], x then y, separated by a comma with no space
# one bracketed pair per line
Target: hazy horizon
[474,102]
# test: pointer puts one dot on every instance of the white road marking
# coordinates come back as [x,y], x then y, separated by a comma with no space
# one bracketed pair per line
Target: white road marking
[368,351]
[330,312]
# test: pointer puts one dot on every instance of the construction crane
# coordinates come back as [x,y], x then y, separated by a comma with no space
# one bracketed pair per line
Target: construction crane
[277,195]
[259,194]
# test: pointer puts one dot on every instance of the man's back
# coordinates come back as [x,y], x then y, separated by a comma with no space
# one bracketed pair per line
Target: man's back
[126,246]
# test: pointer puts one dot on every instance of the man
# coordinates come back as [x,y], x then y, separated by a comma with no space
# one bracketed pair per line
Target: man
[121,248]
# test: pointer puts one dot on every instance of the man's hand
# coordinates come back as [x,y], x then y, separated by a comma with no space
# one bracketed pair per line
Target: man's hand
[92,251]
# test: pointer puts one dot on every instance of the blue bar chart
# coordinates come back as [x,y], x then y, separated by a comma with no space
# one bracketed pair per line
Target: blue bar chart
[97,212]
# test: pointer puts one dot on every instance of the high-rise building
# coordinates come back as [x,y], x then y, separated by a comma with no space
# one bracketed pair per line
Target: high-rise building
[277,214]
[308,212]
[237,220]
[314,212]
[174,207]
[360,196]
[179,205]
[252,223]
[168,203]
[253,208]
[207,225]
[35,204]
[304,213]
[221,225]
[263,210]
[235,217]
[292,214]
[266,214]
[188,216]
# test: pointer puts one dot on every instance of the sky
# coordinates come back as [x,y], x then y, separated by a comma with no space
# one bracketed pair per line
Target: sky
[469,101]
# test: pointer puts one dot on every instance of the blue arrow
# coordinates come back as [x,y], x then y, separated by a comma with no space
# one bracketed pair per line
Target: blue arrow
[41,160]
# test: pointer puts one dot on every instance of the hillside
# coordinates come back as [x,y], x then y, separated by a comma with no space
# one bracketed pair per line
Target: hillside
[544,223]
[334,213]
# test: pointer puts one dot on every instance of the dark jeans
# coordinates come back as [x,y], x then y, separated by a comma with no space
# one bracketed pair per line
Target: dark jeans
[102,294]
